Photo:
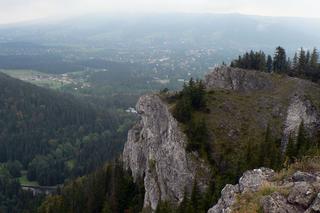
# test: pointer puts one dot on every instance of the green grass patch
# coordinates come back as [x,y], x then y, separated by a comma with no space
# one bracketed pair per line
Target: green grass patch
[24,180]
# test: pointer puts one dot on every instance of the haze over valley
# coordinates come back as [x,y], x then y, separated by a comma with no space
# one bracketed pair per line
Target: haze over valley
[159,107]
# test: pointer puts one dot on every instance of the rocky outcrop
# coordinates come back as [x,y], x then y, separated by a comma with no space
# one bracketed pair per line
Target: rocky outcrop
[300,110]
[250,181]
[277,203]
[296,194]
[156,151]
[238,79]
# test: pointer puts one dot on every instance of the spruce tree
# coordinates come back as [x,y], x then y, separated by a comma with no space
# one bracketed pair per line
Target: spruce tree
[269,63]
[314,58]
[196,197]
[295,62]
[261,61]
[302,141]
[291,152]
[264,149]
[308,58]
[183,110]
[185,206]
[302,62]
[280,60]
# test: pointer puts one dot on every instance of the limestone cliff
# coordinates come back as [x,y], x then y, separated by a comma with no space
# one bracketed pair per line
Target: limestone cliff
[300,110]
[238,79]
[242,103]
[155,151]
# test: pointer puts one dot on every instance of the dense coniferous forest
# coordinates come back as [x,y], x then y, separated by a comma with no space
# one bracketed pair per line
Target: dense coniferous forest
[110,189]
[55,136]
[304,64]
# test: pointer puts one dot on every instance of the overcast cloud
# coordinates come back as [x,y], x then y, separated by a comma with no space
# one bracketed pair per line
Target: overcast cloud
[22,10]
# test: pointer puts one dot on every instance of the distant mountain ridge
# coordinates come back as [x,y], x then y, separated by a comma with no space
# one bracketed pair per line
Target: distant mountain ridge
[227,31]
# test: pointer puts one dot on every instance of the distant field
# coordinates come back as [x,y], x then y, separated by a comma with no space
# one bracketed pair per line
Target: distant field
[37,78]
[24,180]
[3,170]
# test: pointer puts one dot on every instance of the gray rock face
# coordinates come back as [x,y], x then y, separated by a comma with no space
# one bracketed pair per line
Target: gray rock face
[156,151]
[252,180]
[316,204]
[237,79]
[228,198]
[304,176]
[302,197]
[299,110]
[277,203]
[302,194]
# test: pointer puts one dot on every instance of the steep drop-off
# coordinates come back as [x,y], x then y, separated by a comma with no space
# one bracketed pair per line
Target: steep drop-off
[156,150]
[241,106]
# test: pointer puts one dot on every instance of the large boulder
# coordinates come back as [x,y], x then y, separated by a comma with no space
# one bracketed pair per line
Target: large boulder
[228,198]
[250,181]
[299,193]
[302,194]
[253,179]
[277,203]
[315,207]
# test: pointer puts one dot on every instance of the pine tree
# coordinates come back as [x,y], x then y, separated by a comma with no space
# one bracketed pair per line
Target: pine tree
[295,62]
[196,197]
[106,208]
[302,62]
[291,149]
[264,146]
[280,60]
[269,63]
[183,110]
[308,58]
[185,206]
[302,141]
[314,58]
[261,61]
[289,64]
[270,155]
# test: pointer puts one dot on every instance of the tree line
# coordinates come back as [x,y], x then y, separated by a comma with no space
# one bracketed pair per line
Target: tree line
[109,189]
[189,101]
[304,64]
[13,199]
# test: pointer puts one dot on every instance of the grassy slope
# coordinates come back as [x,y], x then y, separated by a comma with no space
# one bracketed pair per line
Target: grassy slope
[237,120]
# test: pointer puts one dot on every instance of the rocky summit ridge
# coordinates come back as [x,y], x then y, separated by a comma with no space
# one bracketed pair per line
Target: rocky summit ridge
[156,145]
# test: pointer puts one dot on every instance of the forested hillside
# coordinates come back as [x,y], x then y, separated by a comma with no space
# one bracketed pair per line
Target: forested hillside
[109,189]
[55,136]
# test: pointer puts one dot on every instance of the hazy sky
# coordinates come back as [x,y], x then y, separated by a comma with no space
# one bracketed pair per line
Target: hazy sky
[22,10]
